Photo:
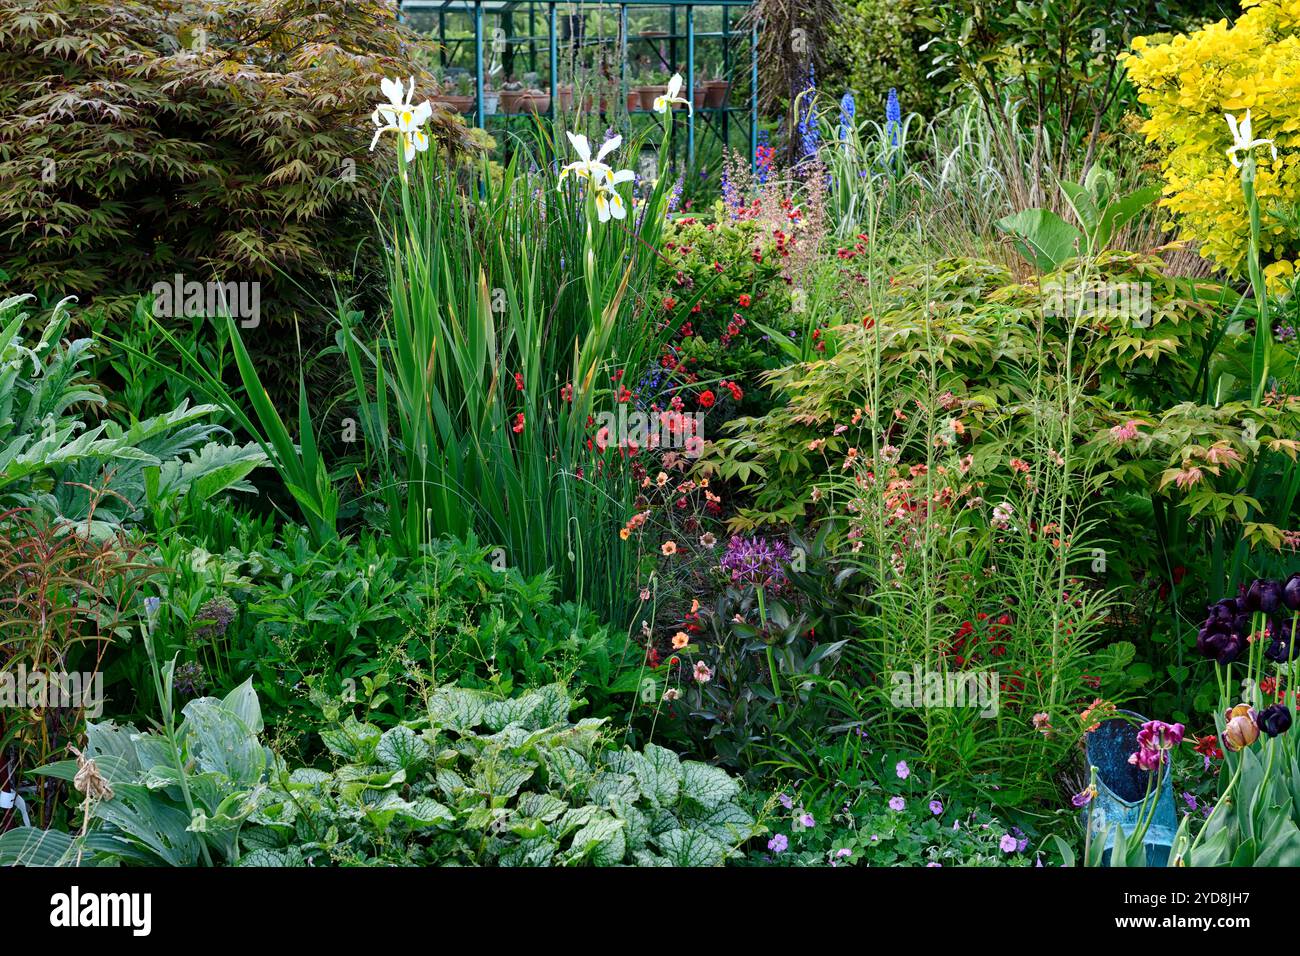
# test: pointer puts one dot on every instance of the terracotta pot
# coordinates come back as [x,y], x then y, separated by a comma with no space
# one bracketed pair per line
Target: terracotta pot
[535,103]
[633,101]
[510,101]
[456,104]
[647,95]
[715,93]
[564,94]
[700,95]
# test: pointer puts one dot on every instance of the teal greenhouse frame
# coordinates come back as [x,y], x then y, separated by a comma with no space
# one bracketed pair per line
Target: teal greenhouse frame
[481,39]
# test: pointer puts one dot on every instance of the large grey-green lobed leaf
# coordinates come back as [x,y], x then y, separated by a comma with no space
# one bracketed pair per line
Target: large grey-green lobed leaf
[401,747]
[457,708]
[691,848]
[728,823]
[601,842]
[660,777]
[538,851]
[706,785]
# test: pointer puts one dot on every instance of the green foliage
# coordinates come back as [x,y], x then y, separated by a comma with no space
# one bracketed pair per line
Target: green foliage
[485,780]
[1048,241]
[878,47]
[139,139]
[106,473]
[478,780]
[323,629]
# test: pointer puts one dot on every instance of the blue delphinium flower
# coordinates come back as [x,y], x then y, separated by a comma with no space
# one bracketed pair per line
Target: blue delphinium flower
[675,197]
[893,117]
[847,111]
[809,134]
[764,156]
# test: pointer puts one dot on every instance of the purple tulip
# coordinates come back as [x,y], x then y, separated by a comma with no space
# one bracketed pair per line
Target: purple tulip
[1291,592]
[1274,720]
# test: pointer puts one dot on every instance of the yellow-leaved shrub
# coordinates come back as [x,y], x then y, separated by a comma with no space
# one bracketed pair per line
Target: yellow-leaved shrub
[1188,83]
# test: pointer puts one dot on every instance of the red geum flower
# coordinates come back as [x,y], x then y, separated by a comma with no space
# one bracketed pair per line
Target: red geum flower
[744,299]
[707,399]
[1208,746]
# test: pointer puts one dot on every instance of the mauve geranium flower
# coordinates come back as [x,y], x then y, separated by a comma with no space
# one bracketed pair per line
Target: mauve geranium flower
[778,843]
[1008,843]
[896,804]
[901,769]
[1275,719]
[936,807]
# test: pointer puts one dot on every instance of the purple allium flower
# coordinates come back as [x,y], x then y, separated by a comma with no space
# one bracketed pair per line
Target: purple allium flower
[897,803]
[936,807]
[214,617]
[189,679]
[901,769]
[778,843]
[1008,843]
[755,561]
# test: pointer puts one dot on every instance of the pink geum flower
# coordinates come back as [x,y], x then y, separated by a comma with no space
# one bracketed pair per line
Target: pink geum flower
[702,673]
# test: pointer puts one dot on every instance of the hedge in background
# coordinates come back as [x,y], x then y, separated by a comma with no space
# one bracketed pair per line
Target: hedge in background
[226,141]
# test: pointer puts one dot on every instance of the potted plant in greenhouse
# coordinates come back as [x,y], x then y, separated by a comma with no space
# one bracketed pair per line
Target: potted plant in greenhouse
[646,90]
[461,98]
[716,89]
[511,92]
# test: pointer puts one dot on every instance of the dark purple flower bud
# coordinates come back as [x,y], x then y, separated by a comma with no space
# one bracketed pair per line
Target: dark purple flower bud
[1264,596]
[1291,592]
[1274,720]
